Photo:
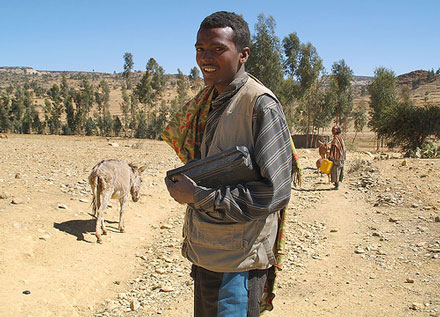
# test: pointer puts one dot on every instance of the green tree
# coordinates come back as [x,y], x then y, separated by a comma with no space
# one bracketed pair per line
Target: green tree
[314,110]
[37,125]
[53,109]
[158,81]
[382,92]
[194,77]
[360,118]
[83,100]
[409,126]
[340,83]
[134,111]
[182,88]
[142,125]
[304,67]
[265,58]
[128,67]
[144,91]
[117,125]
[5,124]
[90,128]
[102,115]
[125,109]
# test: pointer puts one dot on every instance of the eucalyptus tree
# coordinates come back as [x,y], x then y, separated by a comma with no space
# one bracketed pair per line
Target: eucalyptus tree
[128,68]
[265,54]
[194,77]
[340,84]
[102,115]
[303,67]
[53,109]
[124,105]
[360,118]
[383,94]
[182,88]
[5,102]
[84,99]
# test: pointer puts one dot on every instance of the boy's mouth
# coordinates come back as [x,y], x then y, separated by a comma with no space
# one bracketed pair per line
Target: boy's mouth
[208,69]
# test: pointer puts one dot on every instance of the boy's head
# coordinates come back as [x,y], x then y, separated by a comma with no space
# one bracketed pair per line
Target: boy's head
[222,19]
[222,48]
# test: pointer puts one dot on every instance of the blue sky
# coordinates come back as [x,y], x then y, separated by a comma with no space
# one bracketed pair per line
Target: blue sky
[92,35]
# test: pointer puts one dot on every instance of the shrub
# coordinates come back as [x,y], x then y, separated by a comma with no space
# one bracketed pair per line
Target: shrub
[408,126]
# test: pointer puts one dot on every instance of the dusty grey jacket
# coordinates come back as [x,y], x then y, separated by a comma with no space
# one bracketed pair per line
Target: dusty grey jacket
[222,245]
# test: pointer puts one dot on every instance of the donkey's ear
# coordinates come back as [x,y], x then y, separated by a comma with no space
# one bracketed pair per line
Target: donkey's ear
[142,169]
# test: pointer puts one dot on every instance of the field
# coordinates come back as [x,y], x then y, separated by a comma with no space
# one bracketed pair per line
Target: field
[370,249]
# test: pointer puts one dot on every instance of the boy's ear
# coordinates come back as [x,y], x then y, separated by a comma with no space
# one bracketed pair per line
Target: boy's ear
[244,55]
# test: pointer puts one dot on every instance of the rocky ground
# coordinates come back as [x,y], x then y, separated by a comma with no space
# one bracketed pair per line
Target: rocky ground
[369,249]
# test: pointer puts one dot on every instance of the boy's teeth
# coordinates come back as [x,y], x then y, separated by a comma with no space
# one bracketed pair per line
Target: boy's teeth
[208,69]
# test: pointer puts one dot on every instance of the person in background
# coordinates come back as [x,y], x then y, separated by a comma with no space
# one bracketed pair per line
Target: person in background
[231,232]
[337,155]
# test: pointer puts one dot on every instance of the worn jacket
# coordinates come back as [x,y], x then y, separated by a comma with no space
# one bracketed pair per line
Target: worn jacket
[219,243]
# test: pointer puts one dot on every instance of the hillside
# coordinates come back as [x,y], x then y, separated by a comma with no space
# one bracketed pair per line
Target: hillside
[423,90]
[41,80]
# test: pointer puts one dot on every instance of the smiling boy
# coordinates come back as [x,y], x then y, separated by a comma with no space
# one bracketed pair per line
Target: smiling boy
[230,231]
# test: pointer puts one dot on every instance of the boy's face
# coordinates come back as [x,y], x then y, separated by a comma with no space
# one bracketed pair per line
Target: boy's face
[218,58]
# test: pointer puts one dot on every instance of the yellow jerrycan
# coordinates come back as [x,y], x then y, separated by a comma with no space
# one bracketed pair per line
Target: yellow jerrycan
[326,166]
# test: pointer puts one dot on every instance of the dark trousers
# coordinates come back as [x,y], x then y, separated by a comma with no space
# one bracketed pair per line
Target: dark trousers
[236,294]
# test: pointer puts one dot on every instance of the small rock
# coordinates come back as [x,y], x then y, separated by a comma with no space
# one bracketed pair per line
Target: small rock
[414,205]
[62,206]
[415,306]
[166,226]
[111,305]
[409,280]
[134,305]
[334,230]
[359,250]
[114,144]
[83,200]
[45,237]
[437,219]
[167,289]
[18,176]
[4,195]
[17,201]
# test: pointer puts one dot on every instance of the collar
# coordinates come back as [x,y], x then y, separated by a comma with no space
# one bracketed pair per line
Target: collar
[230,90]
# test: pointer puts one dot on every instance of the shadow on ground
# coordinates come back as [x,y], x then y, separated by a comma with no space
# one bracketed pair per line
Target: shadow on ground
[78,228]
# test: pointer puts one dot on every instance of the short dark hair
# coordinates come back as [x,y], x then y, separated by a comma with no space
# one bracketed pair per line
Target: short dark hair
[337,129]
[222,19]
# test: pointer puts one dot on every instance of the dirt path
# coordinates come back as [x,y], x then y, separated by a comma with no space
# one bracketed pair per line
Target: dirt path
[373,259]
[368,249]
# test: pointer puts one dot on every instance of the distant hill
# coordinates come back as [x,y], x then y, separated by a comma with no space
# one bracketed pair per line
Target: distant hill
[362,80]
[424,85]
[18,70]
[422,76]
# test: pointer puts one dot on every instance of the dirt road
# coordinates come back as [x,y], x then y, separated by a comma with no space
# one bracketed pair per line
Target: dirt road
[369,249]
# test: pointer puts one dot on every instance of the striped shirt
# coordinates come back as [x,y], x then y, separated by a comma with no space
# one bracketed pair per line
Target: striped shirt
[272,154]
